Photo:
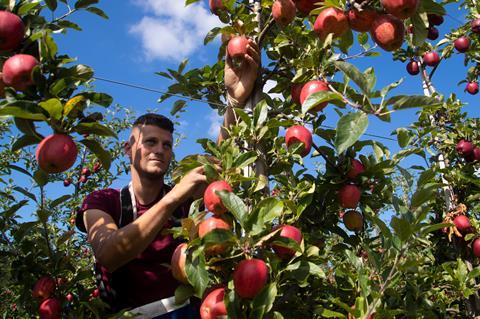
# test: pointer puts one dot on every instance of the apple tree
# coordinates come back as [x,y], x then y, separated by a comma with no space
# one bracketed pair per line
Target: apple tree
[58,138]
[357,235]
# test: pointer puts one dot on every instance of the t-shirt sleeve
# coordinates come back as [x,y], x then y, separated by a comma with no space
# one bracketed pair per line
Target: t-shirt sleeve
[106,200]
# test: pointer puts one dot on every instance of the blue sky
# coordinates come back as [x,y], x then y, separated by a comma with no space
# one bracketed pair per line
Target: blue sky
[143,37]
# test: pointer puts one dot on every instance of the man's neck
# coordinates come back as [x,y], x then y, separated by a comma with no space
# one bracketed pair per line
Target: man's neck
[146,190]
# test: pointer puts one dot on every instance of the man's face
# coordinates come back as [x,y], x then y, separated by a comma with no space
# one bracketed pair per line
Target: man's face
[150,150]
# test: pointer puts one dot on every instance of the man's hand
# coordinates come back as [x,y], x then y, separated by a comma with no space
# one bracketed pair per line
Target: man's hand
[192,185]
[240,80]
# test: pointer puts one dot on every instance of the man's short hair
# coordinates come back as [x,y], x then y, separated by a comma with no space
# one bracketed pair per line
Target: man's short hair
[154,119]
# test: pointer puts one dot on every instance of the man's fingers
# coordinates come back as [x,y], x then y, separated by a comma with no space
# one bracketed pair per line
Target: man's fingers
[253,52]
[251,61]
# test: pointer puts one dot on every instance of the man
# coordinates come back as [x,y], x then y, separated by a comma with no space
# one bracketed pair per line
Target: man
[131,254]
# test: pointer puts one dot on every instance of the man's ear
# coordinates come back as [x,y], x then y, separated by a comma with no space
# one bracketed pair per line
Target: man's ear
[127,148]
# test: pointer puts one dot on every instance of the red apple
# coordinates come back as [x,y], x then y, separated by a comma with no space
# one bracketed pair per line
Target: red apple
[67,182]
[464,147]
[178,260]
[249,277]
[12,31]
[413,67]
[361,21]
[95,293]
[431,58]
[213,305]
[356,169]
[207,226]
[50,309]
[476,153]
[349,196]
[83,179]
[432,33]
[463,224]
[353,220]
[69,297]
[44,288]
[237,46]
[311,87]
[305,6]
[476,247]
[299,134]
[388,32]
[331,20]
[97,167]
[402,9]
[291,232]
[472,88]
[56,153]
[462,44]
[85,171]
[475,25]
[295,91]
[283,11]
[216,6]
[212,201]
[17,71]
[435,19]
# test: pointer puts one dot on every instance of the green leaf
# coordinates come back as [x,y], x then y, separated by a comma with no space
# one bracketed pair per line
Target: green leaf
[54,108]
[84,3]
[420,30]
[245,159]
[51,4]
[219,236]
[183,293]
[10,212]
[25,192]
[263,302]
[260,114]
[94,128]
[431,228]
[383,227]
[403,137]
[431,6]
[25,140]
[40,177]
[19,112]
[96,148]
[402,228]
[318,98]
[98,12]
[102,99]
[349,129]
[27,7]
[68,24]
[354,74]
[20,169]
[401,102]
[211,35]
[178,106]
[59,200]
[235,205]
[424,194]
[197,273]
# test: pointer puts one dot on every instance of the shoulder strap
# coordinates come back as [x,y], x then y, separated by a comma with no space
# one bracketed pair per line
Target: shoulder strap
[126,212]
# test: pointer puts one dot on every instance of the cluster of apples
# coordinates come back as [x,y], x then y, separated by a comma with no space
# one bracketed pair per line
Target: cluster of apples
[84,174]
[463,225]
[56,153]
[17,69]
[349,196]
[43,290]
[250,275]
[468,150]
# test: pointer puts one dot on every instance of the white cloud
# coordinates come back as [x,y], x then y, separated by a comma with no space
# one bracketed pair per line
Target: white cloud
[268,86]
[215,123]
[171,31]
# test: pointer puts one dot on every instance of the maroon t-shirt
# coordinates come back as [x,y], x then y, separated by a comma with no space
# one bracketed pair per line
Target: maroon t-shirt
[146,278]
